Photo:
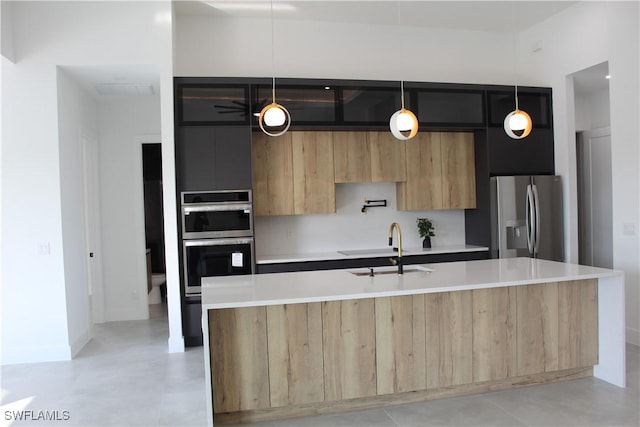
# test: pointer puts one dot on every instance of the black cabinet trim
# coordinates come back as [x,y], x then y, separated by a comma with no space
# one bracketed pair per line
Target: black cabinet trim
[286,267]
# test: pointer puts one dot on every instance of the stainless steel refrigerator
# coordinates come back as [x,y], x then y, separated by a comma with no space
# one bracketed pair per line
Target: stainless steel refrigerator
[526,217]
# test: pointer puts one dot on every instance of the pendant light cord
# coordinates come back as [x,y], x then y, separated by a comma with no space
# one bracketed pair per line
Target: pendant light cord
[273,62]
[401,81]
[515,50]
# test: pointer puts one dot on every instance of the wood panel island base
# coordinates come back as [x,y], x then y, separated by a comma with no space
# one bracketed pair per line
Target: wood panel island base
[294,344]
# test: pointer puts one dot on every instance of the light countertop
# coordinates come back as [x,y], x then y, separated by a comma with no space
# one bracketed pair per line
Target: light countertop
[332,285]
[366,253]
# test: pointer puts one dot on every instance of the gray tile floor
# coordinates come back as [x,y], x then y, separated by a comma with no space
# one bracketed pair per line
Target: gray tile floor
[125,377]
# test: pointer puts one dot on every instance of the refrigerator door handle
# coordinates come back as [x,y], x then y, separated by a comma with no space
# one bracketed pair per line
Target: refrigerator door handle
[536,204]
[530,220]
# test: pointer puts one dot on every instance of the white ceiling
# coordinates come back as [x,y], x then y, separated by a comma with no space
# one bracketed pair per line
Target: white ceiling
[502,16]
[469,15]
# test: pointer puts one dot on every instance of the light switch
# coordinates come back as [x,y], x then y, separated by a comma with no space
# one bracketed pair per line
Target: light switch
[629,229]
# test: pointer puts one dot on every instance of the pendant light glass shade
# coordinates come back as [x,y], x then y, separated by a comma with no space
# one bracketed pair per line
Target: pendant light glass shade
[403,123]
[274,119]
[517,124]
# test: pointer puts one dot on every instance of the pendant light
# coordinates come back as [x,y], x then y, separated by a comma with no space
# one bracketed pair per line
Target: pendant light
[274,119]
[403,123]
[517,124]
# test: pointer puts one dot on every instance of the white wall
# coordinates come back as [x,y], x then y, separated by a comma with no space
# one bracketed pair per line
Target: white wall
[592,110]
[349,228]
[46,35]
[77,113]
[122,124]
[579,37]
[211,46]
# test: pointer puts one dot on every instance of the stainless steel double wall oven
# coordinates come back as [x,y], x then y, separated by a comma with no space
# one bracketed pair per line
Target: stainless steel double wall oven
[217,235]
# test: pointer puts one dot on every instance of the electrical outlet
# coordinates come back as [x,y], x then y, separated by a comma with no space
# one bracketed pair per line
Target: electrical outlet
[289,234]
[44,249]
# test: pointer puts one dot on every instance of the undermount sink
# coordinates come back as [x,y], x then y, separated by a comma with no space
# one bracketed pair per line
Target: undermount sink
[381,252]
[390,270]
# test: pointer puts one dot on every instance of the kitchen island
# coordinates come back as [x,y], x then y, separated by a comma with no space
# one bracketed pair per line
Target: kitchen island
[304,343]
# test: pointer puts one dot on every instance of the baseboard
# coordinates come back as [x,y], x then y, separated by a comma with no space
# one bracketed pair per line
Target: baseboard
[79,343]
[633,336]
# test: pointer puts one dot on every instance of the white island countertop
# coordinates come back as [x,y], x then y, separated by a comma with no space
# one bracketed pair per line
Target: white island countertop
[366,253]
[332,285]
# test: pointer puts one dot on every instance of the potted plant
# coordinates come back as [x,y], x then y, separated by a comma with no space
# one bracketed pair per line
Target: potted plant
[426,230]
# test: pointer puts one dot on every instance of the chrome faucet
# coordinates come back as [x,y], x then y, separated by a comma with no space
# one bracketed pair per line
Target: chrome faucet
[397,260]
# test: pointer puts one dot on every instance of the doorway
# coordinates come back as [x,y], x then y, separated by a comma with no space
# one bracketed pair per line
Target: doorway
[593,166]
[154,228]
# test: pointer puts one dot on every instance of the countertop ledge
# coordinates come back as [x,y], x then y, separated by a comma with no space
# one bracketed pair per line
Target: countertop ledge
[333,285]
[336,256]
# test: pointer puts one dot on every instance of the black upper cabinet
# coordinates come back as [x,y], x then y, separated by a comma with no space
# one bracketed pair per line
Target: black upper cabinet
[372,106]
[307,105]
[205,104]
[214,158]
[536,104]
[450,108]
[533,155]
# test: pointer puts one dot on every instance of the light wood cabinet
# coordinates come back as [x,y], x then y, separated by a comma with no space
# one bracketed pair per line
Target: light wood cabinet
[272,160]
[400,361]
[440,168]
[494,349]
[349,340]
[449,339]
[578,320]
[368,156]
[351,157]
[293,173]
[309,356]
[387,157]
[295,354]
[238,349]
[313,181]
[423,187]
[458,170]
[537,328]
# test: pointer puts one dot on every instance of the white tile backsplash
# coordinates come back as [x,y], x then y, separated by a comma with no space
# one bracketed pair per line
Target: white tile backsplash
[349,228]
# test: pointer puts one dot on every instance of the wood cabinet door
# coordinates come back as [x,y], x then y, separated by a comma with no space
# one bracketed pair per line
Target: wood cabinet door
[458,170]
[578,322]
[272,174]
[349,343]
[537,328]
[388,162]
[313,175]
[449,339]
[351,157]
[423,187]
[400,344]
[294,334]
[494,350]
[241,379]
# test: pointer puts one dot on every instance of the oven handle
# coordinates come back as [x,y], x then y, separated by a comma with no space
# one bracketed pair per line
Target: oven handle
[218,208]
[217,242]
